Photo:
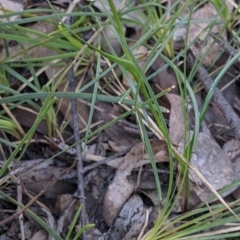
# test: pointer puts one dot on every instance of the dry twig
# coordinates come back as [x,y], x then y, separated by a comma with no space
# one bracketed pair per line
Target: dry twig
[218,97]
[106,160]
[81,195]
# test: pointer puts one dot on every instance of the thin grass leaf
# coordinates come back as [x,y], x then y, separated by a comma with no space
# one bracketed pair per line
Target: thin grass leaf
[45,17]
[8,126]
[84,96]
[7,143]
[222,9]
[82,230]
[74,221]
[28,135]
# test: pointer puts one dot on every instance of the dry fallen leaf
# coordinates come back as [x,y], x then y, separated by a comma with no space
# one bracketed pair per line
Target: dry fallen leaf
[213,163]
[120,189]
[176,120]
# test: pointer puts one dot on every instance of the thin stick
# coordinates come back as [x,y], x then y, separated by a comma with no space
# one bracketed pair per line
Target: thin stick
[20,217]
[106,160]
[218,97]
[81,195]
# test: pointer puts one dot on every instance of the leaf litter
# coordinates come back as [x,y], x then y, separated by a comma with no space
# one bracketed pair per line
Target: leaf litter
[115,189]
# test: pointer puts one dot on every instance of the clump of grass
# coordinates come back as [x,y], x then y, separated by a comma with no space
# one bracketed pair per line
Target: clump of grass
[66,41]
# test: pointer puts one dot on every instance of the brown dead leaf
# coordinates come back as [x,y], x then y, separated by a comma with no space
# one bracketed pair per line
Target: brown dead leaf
[176,121]
[120,189]
[115,146]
